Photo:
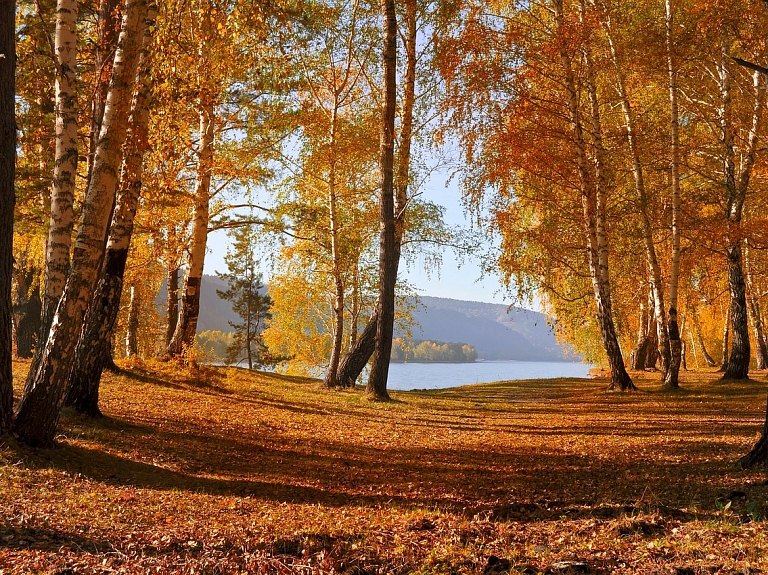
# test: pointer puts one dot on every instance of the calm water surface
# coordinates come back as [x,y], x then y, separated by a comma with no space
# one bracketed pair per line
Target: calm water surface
[406,376]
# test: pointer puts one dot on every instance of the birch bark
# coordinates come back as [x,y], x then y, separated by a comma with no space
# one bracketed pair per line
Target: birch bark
[593,221]
[377,384]
[189,308]
[44,394]
[736,193]
[93,353]
[61,219]
[675,340]
[630,128]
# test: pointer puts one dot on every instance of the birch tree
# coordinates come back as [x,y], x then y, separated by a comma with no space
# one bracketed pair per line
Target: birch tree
[40,406]
[94,348]
[65,166]
[385,306]
[673,331]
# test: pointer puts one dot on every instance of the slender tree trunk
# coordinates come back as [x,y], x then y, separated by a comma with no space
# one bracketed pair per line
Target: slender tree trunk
[736,192]
[755,315]
[361,349]
[184,336]
[639,353]
[675,339]
[8,201]
[331,375]
[94,350]
[132,331]
[593,221]
[377,384]
[738,361]
[107,30]
[40,406]
[726,332]
[630,127]
[693,347]
[652,358]
[700,337]
[761,353]
[65,168]
[172,308]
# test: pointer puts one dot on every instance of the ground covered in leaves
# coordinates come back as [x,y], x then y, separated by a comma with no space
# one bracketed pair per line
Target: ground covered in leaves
[223,471]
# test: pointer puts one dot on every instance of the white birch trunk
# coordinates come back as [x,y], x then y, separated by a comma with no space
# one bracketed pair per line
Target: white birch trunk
[675,339]
[94,351]
[338,283]
[630,126]
[189,310]
[40,406]
[619,377]
[61,221]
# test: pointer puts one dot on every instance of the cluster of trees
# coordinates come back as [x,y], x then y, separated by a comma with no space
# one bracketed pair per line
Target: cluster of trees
[621,150]
[425,351]
[144,127]
[617,150]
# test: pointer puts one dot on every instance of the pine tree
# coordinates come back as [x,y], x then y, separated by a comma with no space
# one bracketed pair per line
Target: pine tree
[249,302]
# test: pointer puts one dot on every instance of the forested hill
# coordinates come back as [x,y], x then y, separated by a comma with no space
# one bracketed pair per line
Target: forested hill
[496,334]
[520,334]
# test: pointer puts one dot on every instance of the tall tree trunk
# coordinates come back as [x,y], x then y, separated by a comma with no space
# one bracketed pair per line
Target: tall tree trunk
[675,339]
[377,384]
[593,220]
[638,355]
[355,360]
[738,361]
[736,192]
[40,406]
[630,128]
[184,336]
[331,374]
[65,169]
[173,303]
[107,30]
[761,353]
[693,347]
[8,201]
[132,331]
[94,350]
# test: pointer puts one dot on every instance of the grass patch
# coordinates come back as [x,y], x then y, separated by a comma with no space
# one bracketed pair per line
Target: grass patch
[225,471]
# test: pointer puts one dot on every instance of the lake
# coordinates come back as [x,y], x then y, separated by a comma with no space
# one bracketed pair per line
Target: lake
[405,376]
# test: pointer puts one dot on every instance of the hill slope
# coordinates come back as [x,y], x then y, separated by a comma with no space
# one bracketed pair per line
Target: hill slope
[520,334]
[496,333]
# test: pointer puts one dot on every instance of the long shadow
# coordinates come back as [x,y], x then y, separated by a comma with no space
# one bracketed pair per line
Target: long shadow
[468,482]
[23,538]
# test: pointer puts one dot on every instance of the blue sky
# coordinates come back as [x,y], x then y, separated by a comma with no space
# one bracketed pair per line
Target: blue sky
[457,280]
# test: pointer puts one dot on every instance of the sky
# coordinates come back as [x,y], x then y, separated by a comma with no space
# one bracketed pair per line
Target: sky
[456,279]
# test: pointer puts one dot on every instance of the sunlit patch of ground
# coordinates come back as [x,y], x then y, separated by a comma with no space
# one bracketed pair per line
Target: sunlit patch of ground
[223,471]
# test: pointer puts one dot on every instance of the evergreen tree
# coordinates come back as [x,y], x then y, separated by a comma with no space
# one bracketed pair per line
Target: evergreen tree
[249,301]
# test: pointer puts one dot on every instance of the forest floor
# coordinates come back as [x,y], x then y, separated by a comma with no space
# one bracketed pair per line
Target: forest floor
[223,471]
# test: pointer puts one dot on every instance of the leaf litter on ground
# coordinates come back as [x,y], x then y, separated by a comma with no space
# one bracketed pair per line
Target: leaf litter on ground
[225,471]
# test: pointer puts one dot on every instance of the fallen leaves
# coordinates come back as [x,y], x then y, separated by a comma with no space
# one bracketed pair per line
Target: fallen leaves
[254,473]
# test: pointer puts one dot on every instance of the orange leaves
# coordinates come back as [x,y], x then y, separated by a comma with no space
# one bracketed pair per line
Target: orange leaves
[253,472]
